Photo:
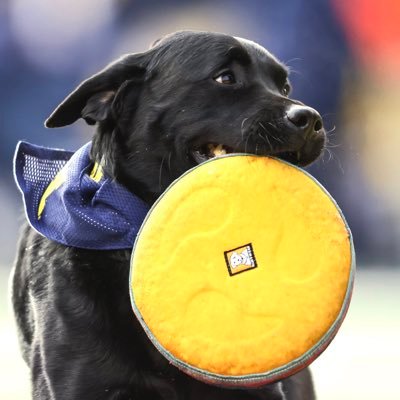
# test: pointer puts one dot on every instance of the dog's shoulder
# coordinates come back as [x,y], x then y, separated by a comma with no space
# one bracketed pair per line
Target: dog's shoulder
[54,269]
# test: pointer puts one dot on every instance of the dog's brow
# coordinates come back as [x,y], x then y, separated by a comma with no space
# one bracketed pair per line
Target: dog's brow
[279,72]
[238,54]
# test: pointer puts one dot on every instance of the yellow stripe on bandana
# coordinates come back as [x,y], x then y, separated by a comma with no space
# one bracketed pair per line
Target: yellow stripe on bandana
[96,174]
[58,180]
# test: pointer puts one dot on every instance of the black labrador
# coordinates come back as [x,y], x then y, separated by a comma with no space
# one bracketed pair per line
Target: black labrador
[157,114]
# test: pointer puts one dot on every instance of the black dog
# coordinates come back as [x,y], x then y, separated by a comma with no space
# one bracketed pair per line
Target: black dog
[158,113]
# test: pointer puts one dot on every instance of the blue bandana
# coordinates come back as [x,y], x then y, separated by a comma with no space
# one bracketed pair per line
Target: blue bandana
[69,200]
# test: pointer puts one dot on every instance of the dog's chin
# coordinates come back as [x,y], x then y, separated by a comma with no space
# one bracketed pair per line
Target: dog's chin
[304,156]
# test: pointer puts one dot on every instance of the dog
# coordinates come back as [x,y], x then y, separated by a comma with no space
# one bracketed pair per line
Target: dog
[157,114]
[243,258]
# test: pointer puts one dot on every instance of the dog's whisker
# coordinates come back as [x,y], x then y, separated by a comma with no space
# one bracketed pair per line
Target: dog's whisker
[329,131]
[332,146]
[291,60]
[169,160]
[270,134]
[242,126]
[160,173]
[264,140]
[238,143]
[246,143]
[295,71]
[263,127]
[273,136]
[333,157]
[328,143]
[329,153]
[266,136]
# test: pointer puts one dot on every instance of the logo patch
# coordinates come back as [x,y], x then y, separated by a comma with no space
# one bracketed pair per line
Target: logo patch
[240,259]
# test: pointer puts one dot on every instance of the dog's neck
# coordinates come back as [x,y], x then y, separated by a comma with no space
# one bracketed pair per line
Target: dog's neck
[107,153]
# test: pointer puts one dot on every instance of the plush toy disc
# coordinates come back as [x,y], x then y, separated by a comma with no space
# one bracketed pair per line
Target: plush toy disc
[242,272]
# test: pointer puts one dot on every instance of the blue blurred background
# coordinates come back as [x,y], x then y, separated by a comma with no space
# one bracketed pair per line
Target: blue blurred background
[345,62]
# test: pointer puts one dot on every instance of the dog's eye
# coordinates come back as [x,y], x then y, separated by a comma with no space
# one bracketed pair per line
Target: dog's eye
[286,89]
[226,78]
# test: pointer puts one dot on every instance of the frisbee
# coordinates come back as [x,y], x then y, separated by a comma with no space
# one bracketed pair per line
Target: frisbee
[242,271]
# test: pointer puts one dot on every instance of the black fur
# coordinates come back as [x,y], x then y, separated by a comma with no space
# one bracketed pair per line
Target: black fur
[153,111]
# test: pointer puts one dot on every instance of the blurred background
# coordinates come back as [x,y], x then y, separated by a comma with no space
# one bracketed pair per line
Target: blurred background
[345,62]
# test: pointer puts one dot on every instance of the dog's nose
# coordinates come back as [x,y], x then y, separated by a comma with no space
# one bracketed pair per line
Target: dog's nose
[304,118]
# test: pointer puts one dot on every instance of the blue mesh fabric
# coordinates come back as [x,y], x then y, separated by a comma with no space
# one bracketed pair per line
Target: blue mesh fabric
[81,212]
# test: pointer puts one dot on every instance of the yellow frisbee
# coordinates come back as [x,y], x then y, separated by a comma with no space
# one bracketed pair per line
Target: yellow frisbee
[242,271]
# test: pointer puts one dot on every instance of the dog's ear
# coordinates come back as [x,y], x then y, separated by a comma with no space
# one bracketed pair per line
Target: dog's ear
[93,98]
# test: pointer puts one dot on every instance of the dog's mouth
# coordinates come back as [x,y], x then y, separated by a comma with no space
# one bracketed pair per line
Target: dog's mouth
[213,150]
[210,150]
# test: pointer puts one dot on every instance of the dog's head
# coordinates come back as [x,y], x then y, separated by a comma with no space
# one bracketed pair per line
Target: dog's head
[236,259]
[192,96]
